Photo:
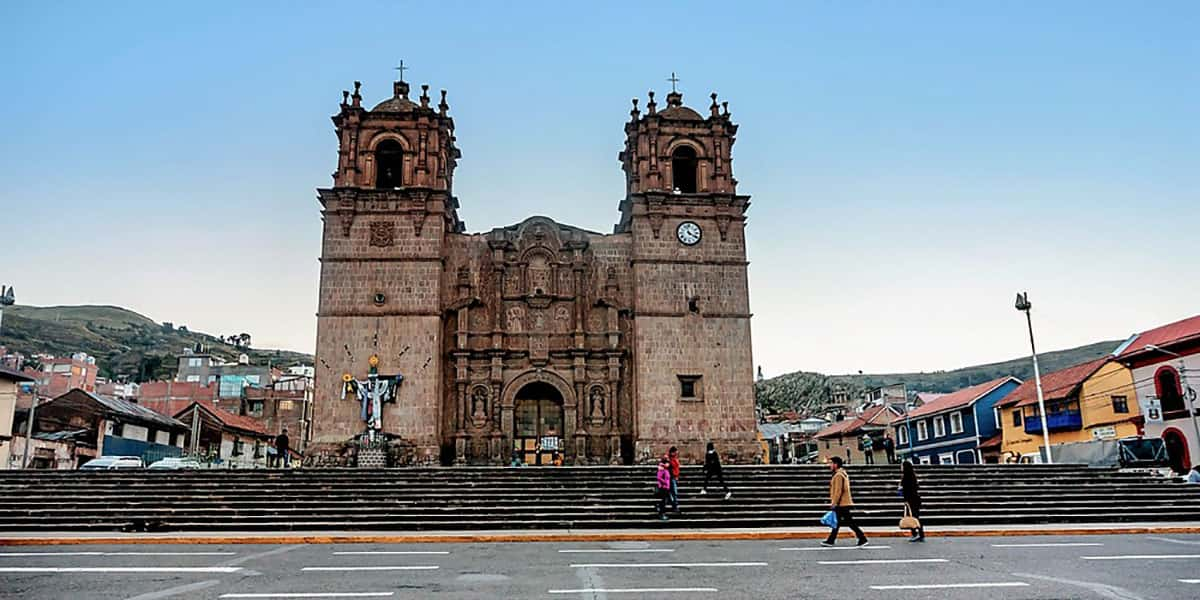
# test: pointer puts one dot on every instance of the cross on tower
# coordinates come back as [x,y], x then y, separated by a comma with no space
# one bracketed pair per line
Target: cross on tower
[401,68]
[673,79]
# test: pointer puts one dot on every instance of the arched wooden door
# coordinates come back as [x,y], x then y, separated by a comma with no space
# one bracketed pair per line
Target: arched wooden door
[1177,450]
[538,424]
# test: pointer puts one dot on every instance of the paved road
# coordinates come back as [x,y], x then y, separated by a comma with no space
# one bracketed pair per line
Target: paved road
[1106,567]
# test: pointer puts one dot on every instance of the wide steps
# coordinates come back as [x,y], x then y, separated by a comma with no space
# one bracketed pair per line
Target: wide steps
[589,497]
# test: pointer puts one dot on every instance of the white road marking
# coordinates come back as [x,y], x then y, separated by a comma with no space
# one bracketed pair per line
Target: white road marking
[1110,592]
[1059,545]
[940,586]
[27,554]
[1189,581]
[789,549]
[390,552]
[120,569]
[1141,557]
[314,595]
[613,550]
[1186,542]
[178,590]
[890,561]
[633,591]
[379,568]
[664,565]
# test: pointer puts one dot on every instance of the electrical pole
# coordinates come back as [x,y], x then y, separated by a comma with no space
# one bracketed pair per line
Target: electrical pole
[1024,306]
[29,430]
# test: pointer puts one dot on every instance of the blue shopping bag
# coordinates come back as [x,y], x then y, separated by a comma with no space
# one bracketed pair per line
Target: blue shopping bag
[830,519]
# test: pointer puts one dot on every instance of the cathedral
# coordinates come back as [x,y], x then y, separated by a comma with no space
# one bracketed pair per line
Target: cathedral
[538,342]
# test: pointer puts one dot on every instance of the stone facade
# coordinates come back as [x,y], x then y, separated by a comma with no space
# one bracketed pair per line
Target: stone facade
[539,341]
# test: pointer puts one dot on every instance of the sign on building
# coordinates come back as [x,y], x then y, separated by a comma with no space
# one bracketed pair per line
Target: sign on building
[1104,433]
[1152,408]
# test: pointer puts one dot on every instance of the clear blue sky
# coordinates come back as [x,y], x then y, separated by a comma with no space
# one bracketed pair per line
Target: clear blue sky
[912,165]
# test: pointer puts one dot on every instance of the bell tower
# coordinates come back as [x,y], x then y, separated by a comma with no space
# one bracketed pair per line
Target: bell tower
[694,379]
[386,221]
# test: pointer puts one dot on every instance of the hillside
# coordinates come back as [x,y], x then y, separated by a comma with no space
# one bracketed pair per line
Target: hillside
[804,391]
[125,344]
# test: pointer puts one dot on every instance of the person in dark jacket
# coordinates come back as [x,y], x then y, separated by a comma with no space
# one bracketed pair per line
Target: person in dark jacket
[912,496]
[712,470]
[889,448]
[281,446]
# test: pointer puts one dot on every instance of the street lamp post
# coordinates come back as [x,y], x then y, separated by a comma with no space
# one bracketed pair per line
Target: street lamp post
[1024,306]
[1184,389]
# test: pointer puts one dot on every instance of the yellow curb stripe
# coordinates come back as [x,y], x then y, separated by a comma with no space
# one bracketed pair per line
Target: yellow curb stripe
[652,536]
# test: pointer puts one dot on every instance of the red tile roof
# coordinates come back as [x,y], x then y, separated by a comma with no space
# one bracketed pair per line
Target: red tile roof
[961,398]
[228,419]
[875,415]
[1171,333]
[1057,385]
[992,442]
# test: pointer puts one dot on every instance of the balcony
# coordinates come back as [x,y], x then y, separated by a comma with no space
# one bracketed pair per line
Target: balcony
[1070,420]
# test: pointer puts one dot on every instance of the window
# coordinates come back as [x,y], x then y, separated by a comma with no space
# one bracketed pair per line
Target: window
[946,459]
[690,387]
[1017,418]
[256,408]
[922,431]
[1120,404]
[683,170]
[193,362]
[193,379]
[286,405]
[1166,385]
[389,165]
[924,460]
[211,379]
[939,427]
[956,423]
[902,435]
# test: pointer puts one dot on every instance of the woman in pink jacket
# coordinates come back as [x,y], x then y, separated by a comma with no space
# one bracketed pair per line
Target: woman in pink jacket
[662,486]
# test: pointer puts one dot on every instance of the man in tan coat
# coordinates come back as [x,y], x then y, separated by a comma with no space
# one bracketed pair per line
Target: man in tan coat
[840,502]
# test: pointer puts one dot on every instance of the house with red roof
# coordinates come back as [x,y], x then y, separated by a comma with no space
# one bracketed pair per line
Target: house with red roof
[844,438]
[950,429]
[223,438]
[1165,364]
[1084,402]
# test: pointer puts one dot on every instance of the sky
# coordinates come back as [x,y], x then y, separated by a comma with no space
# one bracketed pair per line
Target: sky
[911,165]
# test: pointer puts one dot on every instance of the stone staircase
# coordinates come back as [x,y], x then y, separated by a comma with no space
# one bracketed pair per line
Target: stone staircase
[568,497]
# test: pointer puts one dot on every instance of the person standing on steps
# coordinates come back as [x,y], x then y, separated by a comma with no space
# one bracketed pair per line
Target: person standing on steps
[912,497]
[889,449]
[712,470]
[840,502]
[673,461]
[662,486]
[868,448]
[282,447]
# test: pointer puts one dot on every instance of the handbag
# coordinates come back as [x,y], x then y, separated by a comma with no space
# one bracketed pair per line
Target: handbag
[830,520]
[908,521]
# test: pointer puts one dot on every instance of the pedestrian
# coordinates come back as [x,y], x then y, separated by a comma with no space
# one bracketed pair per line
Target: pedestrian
[912,497]
[281,446]
[272,454]
[889,448]
[868,448]
[673,461]
[712,470]
[662,486]
[1194,475]
[840,502]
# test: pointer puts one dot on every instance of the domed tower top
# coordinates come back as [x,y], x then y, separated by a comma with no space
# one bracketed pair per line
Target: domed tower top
[678,152]
[400,144]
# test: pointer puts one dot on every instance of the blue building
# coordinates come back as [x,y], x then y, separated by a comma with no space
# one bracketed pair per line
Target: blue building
[951,429]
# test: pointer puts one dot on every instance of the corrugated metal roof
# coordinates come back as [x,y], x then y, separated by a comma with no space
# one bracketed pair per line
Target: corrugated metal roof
[133,411]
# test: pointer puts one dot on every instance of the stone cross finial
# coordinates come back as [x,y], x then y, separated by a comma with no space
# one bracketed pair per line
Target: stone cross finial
[401,69]
[674,80]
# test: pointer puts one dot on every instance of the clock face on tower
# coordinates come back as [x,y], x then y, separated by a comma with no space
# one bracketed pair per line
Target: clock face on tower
[688,233]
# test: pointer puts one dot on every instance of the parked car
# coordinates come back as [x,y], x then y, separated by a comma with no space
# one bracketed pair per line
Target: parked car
[175,463]
[105,463]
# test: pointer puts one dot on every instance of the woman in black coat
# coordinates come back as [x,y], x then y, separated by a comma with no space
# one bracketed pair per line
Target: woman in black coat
[912,496]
